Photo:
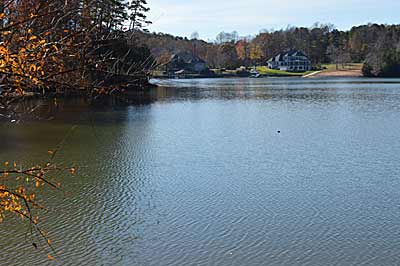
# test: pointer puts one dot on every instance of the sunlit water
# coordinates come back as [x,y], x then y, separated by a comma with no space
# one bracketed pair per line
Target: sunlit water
[201,176]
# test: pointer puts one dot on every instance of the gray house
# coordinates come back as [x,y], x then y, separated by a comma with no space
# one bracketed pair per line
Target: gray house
[186,62]
[293,61]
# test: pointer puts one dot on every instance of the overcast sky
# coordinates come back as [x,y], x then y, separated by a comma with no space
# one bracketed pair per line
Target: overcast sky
[209,17]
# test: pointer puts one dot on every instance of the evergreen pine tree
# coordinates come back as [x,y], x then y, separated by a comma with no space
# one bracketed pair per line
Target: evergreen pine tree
[138,17]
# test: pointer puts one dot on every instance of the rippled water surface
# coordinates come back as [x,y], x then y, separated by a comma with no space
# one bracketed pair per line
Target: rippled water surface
[201,176]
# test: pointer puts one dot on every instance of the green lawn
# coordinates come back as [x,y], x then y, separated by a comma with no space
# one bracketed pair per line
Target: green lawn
[263,70]
[350,66]
[326,68]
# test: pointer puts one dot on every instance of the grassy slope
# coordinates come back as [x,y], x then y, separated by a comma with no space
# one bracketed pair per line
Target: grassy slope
[329,68]
[273,72]
[351,66]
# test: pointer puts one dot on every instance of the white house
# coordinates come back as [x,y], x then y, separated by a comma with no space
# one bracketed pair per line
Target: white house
[293,61]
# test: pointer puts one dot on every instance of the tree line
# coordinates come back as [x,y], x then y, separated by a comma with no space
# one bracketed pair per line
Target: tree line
[375,45]
[59,45]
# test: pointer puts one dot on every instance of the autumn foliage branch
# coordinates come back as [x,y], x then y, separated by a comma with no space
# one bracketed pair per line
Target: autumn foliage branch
[20,191]
[58,47]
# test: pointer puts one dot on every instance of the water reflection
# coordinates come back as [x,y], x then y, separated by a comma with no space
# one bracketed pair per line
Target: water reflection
[273,88]
[201,177]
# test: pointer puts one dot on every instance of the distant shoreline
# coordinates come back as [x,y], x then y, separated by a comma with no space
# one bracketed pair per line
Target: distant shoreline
[325,70]
[328,70]
[338,73]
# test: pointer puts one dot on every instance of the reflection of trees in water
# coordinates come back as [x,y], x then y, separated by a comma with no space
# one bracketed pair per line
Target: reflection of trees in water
[116,179]
[72,109]
[272,89]
[110,194]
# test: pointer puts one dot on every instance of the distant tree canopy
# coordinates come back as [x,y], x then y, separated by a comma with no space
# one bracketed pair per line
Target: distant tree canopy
[383,56]
[321,42]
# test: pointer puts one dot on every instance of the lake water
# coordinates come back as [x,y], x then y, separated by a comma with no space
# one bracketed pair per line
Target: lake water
[201,176]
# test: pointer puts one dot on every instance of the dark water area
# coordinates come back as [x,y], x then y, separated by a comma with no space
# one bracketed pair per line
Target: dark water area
[199,175]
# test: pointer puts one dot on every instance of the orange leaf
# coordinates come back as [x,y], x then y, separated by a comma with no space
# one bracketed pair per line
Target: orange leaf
[50,257]
[73,170]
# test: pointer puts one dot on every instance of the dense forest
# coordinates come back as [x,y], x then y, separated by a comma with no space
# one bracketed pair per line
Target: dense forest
[378,46]
[58,47]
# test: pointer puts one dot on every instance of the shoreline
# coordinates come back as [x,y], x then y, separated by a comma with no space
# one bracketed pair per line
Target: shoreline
[316,74]
[337,74]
